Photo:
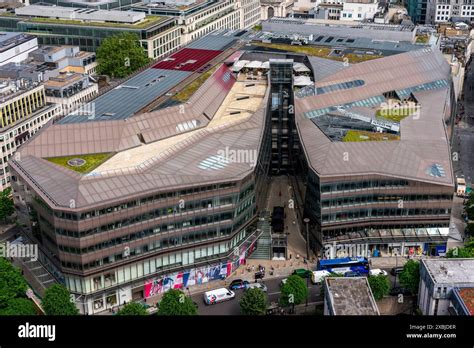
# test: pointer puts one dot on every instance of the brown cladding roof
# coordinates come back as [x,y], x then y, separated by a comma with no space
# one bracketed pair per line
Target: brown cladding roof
[424,140]
[180,165]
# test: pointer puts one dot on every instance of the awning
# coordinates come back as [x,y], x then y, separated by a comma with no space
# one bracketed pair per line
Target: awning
[254,64]
[300,67]
[238,65]
[303,81]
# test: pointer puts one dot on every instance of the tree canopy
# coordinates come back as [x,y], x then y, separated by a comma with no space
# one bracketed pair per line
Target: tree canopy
[380,286]
[466,252]
[254,302]
[7,207]
[13,288]
[132,308]
[19,306]
[410,276]
[57,301]
[120,55]
[175,302]
[12,284]
[294,291]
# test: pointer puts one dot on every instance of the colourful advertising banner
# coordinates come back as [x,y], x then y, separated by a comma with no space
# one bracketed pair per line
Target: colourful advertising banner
[181,280]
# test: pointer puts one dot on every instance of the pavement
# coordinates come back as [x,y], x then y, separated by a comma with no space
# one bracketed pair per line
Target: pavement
[280,194]
[463,146]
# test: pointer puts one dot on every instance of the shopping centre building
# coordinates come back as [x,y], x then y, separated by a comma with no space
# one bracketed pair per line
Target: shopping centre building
[132,197]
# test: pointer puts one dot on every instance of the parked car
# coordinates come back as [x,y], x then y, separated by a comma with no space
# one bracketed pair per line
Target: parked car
[399,290]
[377,271]
[303,273]
[238,284]
[283,282]
[260,286]
[218,295]
[396,271]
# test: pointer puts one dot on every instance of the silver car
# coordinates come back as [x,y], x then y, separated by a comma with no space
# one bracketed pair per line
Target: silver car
[260,286]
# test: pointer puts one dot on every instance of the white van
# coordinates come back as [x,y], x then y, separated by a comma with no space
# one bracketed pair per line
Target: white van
[318,276]
[218,295]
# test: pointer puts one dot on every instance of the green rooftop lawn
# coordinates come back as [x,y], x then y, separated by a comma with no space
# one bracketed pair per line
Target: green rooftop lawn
[186,93]
[355,135]
[317,51]
[92,161]
[422,39]
[148,21]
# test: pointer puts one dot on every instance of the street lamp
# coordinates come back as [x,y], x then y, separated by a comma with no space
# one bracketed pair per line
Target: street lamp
[306,221]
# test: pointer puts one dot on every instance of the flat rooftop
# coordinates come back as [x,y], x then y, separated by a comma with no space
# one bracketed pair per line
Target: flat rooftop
[84,14]
[351,296]
[385,32]
[88,17]
[9,40]
[63,80]
[451,271]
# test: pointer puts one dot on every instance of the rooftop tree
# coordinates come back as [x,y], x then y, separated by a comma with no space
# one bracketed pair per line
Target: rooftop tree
[120,55]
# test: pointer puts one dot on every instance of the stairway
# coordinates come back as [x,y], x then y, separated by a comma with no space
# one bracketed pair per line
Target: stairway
[263,250]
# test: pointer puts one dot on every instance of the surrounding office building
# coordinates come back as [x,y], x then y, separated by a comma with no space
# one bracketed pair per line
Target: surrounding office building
[449,10]
[275,8]
[70,90]
[23,111]
[360,10]
[197,19]
[87,28]
[15,47]
[95,4]
[162,29]
[363,187]
[349,296]
[347,10]
[66,58]
[422,11]
[446,286]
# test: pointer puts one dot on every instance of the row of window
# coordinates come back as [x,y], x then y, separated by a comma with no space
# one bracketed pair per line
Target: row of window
[339,231]
[338,202]
[359,185]
[144,200]
[387,212]
[167,242]
[193,221]
[179,258]
[184,257]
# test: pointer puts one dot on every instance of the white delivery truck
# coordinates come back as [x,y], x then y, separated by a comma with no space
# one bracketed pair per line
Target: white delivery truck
[218,295]
[460,187]
[319,275]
